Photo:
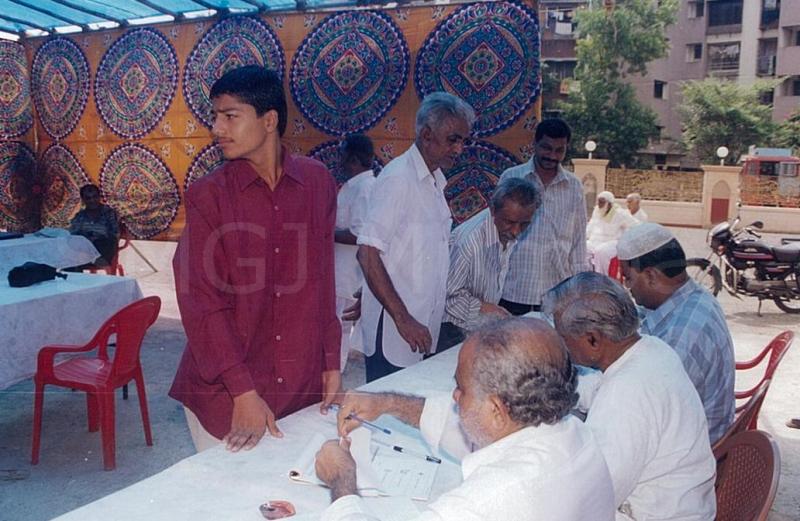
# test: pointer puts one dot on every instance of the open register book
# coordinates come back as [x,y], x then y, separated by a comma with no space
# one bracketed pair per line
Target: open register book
[380,471]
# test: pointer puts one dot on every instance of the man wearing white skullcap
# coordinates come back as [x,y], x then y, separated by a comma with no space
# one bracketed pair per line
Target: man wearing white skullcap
[684,315]
[607,224]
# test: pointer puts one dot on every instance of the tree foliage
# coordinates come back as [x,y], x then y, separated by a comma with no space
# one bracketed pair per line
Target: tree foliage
[717,112]
[788,133]
[612,45]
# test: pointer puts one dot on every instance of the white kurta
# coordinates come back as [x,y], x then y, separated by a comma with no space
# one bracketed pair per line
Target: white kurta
[538,473]
[650,425]
[351,208]
[409,222]
[602,235]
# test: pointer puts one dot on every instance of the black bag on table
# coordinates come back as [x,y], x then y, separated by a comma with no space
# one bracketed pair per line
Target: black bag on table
[32,273]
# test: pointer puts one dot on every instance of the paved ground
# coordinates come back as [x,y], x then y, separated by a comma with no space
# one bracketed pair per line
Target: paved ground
[70,470]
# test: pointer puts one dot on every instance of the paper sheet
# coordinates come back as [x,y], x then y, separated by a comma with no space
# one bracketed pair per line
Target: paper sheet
[379,470]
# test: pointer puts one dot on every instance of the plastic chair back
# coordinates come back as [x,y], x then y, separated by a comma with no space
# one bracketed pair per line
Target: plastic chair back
[748,415]
[130,325]
[748,470]
[776,349]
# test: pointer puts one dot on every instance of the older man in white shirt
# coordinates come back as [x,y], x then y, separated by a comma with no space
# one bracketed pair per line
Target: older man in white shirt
[634,203]
[479,259]
[646,415]
[404,241]
[357,156]
[532,460]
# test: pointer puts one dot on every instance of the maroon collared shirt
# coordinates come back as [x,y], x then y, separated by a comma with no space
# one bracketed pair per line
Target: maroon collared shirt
[254,276]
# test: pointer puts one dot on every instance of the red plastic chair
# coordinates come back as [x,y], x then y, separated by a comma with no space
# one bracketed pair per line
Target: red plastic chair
[776,350]
[614,270]
[748,414]
[99,376]
[114,267]
[748,470]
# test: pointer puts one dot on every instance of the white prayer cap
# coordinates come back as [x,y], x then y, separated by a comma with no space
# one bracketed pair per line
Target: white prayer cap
[642,239]
[607,196]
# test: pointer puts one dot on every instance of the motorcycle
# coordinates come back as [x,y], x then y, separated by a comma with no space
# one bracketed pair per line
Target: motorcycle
[744,265]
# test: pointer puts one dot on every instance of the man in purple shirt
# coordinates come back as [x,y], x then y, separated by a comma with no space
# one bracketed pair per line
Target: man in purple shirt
[254,274]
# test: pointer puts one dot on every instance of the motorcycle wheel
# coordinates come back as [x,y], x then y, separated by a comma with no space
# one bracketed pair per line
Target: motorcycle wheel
[787,304]
[705,274]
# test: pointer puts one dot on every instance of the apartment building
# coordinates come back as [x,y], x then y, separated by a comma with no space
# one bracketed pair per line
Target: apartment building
[739,40]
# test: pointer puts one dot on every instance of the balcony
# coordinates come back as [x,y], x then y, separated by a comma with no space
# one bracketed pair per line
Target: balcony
[765,65]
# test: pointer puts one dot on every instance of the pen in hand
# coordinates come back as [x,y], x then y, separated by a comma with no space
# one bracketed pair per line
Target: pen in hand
[355,417]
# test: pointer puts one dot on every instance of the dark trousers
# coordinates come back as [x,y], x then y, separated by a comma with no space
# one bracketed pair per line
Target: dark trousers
[377,365]
[449,335]
[516,308]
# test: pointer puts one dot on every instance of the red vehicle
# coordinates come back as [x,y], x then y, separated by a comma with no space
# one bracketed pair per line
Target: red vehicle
[775,166]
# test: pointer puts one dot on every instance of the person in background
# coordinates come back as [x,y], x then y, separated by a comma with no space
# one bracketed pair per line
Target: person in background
[634,201]
[254,274]
[479,259]
[606,226]
[645,415]
[357,156]
[98,223]
[403,245]
[684,315]
[554,246]
[524,457]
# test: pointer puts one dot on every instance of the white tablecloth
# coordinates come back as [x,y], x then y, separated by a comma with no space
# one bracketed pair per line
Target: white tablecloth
[219,485]
[55,312]
[59,252]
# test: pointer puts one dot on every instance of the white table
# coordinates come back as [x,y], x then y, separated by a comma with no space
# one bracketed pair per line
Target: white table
[59,252]
[55,312]
[219,485]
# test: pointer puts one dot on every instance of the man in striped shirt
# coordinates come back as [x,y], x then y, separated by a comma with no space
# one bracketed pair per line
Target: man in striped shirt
[479,259]
[554,247]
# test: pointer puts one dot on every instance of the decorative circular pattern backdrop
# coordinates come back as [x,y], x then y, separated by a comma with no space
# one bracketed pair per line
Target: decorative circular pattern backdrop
[230,43]
[471,181]
[17,164]
[209,158]
[488,54]
[135,82]
[16,115]
[62,178]
[350,71]
[328,154]
[140,187]
[60,81]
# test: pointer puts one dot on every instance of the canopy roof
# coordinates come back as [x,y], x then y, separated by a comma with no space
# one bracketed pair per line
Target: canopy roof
[32,18]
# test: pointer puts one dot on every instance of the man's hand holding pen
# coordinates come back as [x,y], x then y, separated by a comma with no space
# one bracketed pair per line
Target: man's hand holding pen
[357,407]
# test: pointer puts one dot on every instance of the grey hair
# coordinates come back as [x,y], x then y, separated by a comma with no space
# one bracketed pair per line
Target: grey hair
[636,196]
[535,386]
[519,190]
[440,105]
[591,302]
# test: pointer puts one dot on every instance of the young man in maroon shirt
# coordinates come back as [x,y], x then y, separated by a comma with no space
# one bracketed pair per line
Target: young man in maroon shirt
[254,274]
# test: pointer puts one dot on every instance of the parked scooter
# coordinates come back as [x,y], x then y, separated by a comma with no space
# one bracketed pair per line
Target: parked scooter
[745,265]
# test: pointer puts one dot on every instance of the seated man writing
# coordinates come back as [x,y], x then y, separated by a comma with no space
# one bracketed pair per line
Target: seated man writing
[98,223]
[531,459]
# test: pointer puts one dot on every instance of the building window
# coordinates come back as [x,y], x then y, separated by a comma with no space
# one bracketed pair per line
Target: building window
[723,57]
[659,89]
[797,37]
[696,9]
[694,52]
[725,12]
[767,98]
[795,87]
